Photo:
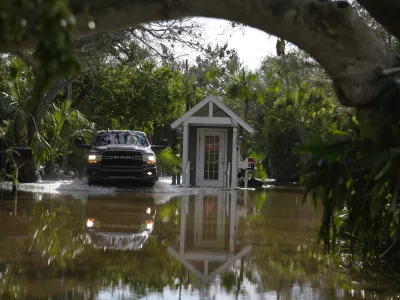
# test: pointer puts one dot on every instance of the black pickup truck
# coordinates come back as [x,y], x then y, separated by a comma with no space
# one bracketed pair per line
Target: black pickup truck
[121,154]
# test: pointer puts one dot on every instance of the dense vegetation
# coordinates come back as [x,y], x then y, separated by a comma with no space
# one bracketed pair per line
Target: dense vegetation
[130,86]
[357,176]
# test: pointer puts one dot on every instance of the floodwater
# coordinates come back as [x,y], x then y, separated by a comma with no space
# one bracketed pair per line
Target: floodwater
[66,240]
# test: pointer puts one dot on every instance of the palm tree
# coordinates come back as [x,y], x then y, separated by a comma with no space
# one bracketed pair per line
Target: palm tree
[60,126]
[14,93]
[246,89]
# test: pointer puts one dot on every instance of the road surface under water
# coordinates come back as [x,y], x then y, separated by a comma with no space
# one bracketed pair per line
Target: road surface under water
[66,240]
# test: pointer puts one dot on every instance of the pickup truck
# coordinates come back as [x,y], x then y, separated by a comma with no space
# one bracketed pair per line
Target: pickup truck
[121,154]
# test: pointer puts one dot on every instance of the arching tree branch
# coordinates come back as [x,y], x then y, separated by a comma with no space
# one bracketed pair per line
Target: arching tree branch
[330,31]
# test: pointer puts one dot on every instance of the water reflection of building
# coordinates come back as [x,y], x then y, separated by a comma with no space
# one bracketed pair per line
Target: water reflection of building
[208,230]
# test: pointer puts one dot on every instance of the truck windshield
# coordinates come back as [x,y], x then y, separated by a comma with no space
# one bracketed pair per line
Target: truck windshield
[121,138]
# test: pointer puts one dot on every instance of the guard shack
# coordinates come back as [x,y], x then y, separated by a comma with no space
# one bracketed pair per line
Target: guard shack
[211,144]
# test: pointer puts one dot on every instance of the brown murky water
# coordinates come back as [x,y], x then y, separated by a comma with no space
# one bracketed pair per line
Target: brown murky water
[221,245]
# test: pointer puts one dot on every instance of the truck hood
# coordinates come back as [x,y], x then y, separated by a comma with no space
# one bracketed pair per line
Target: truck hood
[121,147]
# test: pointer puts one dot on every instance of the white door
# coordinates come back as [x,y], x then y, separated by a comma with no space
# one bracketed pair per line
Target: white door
[211,157]
[209,221]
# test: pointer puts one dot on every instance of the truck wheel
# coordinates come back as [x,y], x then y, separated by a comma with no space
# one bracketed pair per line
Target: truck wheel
[91,181]
[150,183]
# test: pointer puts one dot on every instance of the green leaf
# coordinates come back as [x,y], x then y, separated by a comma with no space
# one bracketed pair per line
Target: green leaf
[384,170]
[261,98]
[340,132]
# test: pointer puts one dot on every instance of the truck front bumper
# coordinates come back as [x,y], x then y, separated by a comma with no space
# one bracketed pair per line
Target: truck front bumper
[146,173]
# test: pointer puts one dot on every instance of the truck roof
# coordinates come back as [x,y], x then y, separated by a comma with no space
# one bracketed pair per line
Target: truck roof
[112,130]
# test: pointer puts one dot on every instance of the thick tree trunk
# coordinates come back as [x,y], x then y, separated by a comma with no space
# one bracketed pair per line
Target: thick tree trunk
[43,106]
[39,103]
[85,91]
[331,32]
[40,107]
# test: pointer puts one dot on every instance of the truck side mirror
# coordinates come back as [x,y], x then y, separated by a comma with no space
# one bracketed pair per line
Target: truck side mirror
[79,144]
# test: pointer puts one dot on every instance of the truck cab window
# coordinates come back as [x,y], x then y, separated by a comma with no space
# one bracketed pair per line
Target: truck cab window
[123,138]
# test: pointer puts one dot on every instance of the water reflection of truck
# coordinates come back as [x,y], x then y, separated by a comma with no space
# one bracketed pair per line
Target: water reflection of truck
[120,223]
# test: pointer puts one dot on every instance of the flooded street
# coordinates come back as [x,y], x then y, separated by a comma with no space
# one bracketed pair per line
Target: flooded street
[66,240]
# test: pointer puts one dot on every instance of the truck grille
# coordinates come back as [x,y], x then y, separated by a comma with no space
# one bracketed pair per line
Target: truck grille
[122,158]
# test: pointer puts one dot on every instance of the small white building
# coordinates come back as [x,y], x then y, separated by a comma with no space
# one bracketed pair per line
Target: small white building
[211,147]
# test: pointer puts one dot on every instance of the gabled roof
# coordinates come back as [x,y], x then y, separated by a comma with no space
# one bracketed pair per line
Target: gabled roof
[223,266]
[221,105]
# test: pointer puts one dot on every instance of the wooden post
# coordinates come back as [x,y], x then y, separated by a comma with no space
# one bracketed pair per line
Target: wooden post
[234,157]
[185,152]
[174,178]
[15,179]
[187,85]
[246,112]
[232,219]
[184,205]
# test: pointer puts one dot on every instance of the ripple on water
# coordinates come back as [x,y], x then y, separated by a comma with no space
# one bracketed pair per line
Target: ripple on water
[80,186]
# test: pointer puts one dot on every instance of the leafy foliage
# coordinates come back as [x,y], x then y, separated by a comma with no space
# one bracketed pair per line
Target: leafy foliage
[357,179]
[292,109]
[14,93]
[51,23]
[260,173]
[137,97]
[215,70]
[61,125]
[168,160]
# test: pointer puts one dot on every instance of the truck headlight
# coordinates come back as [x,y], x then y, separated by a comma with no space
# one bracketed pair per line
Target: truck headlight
[94,158]
[90,222]
[150,159]
[149,225]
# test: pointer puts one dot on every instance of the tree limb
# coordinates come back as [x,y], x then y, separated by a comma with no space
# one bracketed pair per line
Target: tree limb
[43,106]
[85,91]
[330,31]
[148,45]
